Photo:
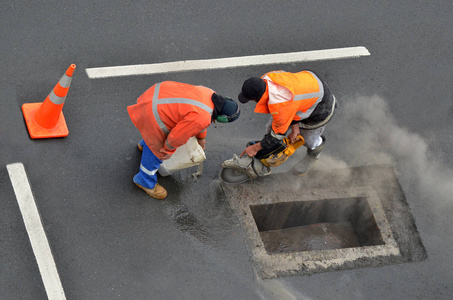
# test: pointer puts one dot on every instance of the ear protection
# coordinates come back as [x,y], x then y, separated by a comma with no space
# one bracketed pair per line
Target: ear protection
[225,118]
[222,119]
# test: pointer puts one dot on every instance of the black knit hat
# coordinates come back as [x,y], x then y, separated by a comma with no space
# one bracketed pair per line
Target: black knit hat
[225,109]
[230,110]
[252,89]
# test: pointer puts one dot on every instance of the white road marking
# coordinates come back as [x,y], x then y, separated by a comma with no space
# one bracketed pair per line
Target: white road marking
[36,232]
[229,62]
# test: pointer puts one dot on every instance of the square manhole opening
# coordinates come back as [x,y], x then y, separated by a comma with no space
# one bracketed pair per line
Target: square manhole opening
[325,224]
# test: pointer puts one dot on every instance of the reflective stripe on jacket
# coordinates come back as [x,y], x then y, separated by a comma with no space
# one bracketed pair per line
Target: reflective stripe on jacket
[305,90]
[169,113]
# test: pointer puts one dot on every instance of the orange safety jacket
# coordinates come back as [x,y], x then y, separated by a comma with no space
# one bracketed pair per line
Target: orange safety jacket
[169,113]
[306,92]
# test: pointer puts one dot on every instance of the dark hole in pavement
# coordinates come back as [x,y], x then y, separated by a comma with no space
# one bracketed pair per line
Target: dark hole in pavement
[316,225]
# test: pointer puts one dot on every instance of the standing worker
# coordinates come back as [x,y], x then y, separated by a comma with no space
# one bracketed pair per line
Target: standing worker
[301,101]
[167,115]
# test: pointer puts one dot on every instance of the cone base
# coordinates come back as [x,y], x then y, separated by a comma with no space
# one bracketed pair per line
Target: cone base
[38,132]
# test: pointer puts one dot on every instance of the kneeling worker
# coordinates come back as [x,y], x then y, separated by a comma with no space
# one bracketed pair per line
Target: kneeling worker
[167,115]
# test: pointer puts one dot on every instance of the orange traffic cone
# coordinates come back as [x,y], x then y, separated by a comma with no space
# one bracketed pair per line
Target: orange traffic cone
[46,120]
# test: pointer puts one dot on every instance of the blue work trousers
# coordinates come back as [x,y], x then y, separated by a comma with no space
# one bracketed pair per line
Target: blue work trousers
[147,176]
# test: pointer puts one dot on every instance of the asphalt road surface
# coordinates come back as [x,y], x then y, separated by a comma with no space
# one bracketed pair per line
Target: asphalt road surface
[109,240]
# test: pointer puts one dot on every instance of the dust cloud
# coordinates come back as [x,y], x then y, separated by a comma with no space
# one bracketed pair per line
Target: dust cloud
[364,132]
[375,137]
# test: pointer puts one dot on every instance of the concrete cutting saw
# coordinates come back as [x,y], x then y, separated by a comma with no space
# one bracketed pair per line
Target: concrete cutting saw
[242,169]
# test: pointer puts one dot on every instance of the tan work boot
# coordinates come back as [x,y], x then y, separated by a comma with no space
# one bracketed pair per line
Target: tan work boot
[158,192]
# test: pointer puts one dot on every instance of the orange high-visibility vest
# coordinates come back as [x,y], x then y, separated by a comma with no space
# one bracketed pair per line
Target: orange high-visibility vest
[169,113]
[307,91]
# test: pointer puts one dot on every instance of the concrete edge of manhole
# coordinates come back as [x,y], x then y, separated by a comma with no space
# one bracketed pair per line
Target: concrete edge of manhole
[270,265]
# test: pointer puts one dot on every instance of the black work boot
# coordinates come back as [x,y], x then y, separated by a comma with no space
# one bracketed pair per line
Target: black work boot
[302,167]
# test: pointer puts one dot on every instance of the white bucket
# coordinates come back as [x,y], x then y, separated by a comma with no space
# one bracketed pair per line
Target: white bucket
[189,155]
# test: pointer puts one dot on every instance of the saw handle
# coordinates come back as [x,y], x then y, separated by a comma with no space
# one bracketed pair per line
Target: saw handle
[292,147]
[299,142]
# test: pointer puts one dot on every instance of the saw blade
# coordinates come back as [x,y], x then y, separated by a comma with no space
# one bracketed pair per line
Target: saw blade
[233,176]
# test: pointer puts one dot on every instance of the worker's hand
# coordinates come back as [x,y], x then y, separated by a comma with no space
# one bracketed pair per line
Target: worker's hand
[252,150]
[202,142]
[295,131]
[293,137]
[166,156]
